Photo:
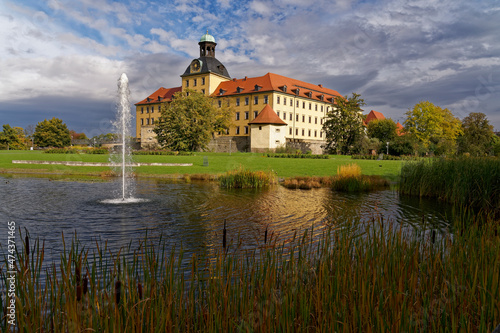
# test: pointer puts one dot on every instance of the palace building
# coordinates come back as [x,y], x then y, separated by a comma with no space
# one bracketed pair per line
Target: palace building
[270,111]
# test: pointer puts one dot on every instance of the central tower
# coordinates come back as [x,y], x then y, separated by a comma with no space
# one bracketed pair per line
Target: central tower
[206,72]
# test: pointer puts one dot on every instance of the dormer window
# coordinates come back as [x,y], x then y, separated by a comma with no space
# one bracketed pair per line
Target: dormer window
[297,91]
[322,97]
[221,91]
[257,87]
[239,89]
[283,88]
[148,99]
[160,98]
[310,94]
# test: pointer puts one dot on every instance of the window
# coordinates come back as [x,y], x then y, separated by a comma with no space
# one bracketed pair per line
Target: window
[237,116]
[290,131]
[220,103]
[255,114]
[321,108]
[278,100]
[309,133]
[303,132]
[194,82]
[315,133]
[303,118]
[237,130]
[278,113]
[266,99]
[246,129]
[246,101]
[202,81]
[291,102]
[303,105]
[187,93]
[320,134]
[260,128]
[277,130]
[315,107]
[284,100]
[297,117]
[297,103]
[291,116]
[142,121]
[147,109]
[203,91]
[321,121]
[284,115]
[296,131]
[187,83]
[310,119]
[246,114]
[142,109]
[147,121]
[310,106]
[152,109]
[256,100]
[316,120]
[152,121]
[237,102]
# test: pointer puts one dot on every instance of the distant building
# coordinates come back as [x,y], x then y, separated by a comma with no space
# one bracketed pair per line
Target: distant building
[375,115]
[291,111]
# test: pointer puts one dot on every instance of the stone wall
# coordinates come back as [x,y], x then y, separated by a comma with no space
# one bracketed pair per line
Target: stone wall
[314,146]
[222,144]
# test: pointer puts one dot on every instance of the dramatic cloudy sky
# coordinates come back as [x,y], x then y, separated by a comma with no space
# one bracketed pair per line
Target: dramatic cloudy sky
[62,58]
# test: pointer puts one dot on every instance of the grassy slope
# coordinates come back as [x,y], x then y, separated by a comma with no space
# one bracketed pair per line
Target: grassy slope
[217,163]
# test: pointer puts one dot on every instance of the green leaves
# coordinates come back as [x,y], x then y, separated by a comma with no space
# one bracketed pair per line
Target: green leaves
[52,133]
[343,126]
[188,122]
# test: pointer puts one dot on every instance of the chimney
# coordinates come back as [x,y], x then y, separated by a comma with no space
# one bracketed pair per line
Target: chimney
[320,85]
[245,78]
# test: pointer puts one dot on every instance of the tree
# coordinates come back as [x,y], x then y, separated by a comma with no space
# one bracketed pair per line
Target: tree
[477,137]
[343,126]
[384,130]
[52,133]
[190,120]
[434,128]
[12,138]
[77,136]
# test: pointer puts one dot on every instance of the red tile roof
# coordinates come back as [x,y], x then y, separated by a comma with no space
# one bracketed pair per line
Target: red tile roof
[268,116]
[374,115]
[161,95]
[400,130]
[275,82]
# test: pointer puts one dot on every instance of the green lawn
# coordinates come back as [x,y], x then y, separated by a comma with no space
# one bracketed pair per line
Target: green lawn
[217,163]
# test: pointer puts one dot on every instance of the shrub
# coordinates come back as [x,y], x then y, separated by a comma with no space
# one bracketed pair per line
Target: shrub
[241,178]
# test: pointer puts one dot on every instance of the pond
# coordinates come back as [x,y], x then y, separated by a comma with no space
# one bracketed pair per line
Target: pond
[191,214]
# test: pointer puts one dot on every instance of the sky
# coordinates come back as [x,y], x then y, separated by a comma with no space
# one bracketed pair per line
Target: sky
[62,58]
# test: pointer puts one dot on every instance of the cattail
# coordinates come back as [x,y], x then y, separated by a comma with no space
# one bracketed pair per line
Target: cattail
[265,235]
[78,293]
[85,285]
[27,243]
[139,290]
[118,286]
[224,235]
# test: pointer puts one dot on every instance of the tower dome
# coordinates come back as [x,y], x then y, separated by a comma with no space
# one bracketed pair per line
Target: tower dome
[207,38]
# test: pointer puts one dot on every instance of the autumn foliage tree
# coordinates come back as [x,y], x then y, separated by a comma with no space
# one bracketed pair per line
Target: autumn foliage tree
[434,128]
[190,120]
[478,136]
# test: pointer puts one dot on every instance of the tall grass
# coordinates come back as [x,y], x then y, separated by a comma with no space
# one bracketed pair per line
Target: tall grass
[350,179]
[375,279]
[470,181]
[242,178]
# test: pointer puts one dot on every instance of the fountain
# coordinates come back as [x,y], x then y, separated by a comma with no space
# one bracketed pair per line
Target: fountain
[122,159]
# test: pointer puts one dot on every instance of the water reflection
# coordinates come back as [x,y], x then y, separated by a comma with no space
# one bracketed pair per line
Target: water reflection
[192,214]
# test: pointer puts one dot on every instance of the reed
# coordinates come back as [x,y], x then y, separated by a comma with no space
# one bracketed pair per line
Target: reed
[349,179]
[354,277]
[469,181]
[242,178]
